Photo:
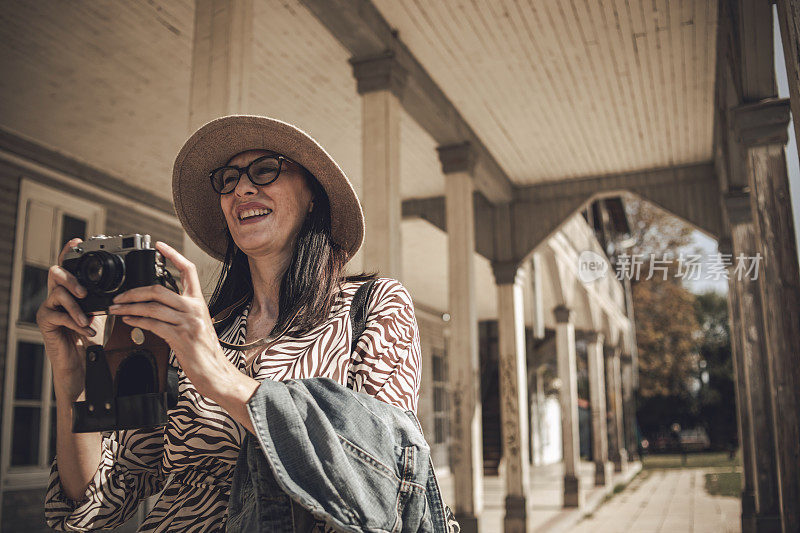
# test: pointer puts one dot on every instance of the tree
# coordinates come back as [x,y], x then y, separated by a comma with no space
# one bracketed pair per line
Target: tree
[715,403]
[666,322]
[666,329]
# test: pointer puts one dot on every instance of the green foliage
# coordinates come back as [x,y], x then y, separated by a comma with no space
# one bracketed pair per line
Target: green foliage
[693,460]
[715,401]
[724,484]
[683,339]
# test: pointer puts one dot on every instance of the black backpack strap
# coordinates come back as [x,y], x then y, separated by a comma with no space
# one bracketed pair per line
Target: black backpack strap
[359,311]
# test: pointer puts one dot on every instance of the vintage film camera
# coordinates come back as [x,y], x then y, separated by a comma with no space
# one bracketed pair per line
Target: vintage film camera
[129,382]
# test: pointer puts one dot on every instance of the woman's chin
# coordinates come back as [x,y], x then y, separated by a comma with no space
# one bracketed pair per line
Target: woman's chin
[255,246]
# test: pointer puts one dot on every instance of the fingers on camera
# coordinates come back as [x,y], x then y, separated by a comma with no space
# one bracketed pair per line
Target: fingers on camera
[60,276]
[60,318]
[62,297]
[67,247]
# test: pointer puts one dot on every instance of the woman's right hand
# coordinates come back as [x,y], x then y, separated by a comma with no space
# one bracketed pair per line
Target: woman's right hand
[65,327]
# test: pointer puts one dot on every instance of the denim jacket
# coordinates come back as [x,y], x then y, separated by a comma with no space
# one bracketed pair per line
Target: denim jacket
[357,463]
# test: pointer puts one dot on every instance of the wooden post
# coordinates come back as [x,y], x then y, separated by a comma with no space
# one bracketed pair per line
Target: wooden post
[568,375]
[744,417]
[789,20]
[761,128]
[617,452]
[222,60]
[513,395]
[760,499]
[380,83]
[466,450]
[597,392]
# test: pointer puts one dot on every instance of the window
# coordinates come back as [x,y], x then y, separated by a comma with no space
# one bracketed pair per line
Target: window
[441,396]
[46,219]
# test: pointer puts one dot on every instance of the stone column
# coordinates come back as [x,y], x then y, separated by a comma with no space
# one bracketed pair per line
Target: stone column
[568,375]
[617,452]
[597,391]
[513,395]
[760,499]
[761,128]
[222,60]
[380,83]
[466,449]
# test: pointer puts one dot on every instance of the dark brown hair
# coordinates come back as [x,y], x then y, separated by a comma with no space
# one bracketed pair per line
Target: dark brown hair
[311,283]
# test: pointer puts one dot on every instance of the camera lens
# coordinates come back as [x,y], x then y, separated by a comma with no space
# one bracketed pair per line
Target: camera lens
[101,271]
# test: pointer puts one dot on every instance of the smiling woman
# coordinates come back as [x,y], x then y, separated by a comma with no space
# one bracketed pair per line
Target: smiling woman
[281,312]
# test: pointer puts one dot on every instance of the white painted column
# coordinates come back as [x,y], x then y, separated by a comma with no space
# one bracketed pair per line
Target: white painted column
[513,395]
[537,291]
[466,450]
[597,393]
[221,66]
[539,416]
[380,82]
[619,456]
[568,375]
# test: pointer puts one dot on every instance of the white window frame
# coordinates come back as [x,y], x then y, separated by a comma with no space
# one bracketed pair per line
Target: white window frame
[23,477]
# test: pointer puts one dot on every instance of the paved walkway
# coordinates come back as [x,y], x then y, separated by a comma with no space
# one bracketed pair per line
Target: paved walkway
[545,511]
[656,501]
[665,501]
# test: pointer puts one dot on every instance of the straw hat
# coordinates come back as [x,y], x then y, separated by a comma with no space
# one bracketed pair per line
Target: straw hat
[210,147]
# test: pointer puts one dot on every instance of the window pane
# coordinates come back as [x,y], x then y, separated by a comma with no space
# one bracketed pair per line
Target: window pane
[439,431]
[25,436]
[72,227]
[34,291]
[438,367]
[30,365]
[439,400]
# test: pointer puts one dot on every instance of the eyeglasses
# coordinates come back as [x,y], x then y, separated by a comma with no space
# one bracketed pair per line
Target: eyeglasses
[261,171]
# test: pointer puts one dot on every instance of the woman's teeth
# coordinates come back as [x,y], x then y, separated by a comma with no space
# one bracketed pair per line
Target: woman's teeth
[253,212]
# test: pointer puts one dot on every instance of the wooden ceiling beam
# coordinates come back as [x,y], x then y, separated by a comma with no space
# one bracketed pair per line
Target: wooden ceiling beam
[362,30]
[537,211]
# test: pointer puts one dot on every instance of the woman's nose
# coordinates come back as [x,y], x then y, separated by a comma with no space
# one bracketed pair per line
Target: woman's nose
[245,186]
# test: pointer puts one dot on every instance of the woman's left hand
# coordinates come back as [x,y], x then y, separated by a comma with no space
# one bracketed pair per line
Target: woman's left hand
[182,320]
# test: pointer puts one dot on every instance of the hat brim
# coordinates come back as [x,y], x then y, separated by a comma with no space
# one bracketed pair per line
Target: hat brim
[197,204]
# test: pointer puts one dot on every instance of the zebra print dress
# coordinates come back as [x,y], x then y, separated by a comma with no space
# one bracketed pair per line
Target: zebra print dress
[191,461]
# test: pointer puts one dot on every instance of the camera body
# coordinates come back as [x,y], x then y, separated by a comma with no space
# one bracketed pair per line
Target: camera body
[129,381]
[109,265]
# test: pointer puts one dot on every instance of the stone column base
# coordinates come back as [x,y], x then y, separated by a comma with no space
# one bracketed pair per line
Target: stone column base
[516,519]
[621,461]
[572,492]
[603,474]
[469,524]
[748,511]
[767,523]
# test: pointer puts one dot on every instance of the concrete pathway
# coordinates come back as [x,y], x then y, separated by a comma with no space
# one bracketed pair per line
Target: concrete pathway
[545,511]
[665,501]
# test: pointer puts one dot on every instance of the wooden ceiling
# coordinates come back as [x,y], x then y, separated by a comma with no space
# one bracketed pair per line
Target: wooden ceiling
[559,90]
